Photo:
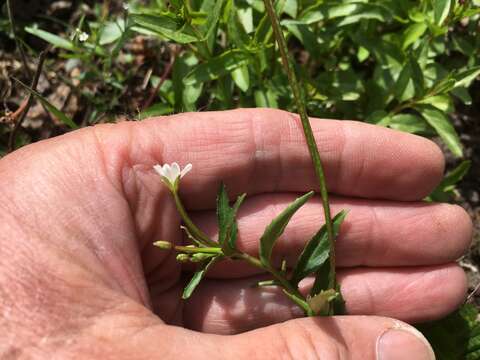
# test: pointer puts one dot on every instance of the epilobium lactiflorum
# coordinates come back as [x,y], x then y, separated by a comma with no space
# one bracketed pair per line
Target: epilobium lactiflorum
[318,256]
[206,252]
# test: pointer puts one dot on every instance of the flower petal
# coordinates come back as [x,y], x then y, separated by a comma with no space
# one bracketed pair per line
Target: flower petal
[175,171]
[159,169]
[185,170]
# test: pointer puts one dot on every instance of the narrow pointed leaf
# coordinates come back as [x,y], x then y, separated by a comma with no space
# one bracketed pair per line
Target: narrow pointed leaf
[277,226]
[213,17]
[216,67]
[322,279]
[441,123]
[223,213]
[413,33]
[166,27]
[226,218]
[441,10]
[465,78]
[53,39]
[197,277]
[232,238]
[57,113]
[317,251]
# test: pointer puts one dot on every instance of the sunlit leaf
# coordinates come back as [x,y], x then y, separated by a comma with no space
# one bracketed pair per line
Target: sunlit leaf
[50,107]
[441,10]
[317,250]
[53,39]
[217,67]
[197,277]
[277,226]
[166,27]
[442,125]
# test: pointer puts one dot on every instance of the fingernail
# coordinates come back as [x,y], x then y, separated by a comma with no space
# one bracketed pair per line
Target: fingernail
[403,343]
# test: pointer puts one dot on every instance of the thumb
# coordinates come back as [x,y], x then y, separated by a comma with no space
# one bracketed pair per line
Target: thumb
[340,337]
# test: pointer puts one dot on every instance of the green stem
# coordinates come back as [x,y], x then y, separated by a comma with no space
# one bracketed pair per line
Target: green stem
[195,250]
[307,129]
[194,230]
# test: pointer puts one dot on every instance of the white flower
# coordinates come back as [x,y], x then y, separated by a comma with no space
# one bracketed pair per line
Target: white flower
[171,173]
[126,6]
[83,37]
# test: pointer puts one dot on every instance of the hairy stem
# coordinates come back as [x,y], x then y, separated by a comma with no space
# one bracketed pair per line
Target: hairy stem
[194,230]
[307,129]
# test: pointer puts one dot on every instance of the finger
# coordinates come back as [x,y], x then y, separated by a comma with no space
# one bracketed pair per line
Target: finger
[335,338]
[332,338]
[374,233]
[408,294]
[260,150]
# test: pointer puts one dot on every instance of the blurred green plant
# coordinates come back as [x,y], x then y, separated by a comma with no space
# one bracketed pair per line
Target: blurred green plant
[397,63]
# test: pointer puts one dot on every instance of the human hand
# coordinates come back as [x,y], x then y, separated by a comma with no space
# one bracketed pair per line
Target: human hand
[79,276]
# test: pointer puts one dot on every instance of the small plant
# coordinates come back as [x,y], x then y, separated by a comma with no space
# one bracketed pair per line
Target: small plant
[206,252]
[318,256]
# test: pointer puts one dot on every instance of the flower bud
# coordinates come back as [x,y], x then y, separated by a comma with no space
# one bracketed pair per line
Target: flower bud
[165,245]
[199,257]
[183,258]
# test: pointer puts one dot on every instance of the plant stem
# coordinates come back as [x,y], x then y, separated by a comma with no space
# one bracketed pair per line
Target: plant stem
[194,230]
[17,41]
[195,250]
[307,129]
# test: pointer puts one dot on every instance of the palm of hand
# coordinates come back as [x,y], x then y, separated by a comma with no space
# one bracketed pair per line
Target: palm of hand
[95,262]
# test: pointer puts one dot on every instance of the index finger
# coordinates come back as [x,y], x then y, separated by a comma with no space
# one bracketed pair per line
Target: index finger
[263,150]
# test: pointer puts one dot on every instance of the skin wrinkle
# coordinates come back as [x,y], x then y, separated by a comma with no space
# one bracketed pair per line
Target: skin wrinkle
[121,194]
[372,224]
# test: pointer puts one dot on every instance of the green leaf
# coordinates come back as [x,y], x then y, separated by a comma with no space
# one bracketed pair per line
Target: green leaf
[465,78]
[322,279]
[410,123]
[213,17]
[446,187]
[235,30]
[166,26]
[413,33]
[379,117]
[112,31]
[441,9]
[462,94]
[241,78]
[442,125]
[316,251]
[57,113]
[226,218]
[457,336]
[53,39]
[157,109]
[441,102]
[404,87]
[185,96]
[277,226]
[197,277]
[216,67]
[266,98]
